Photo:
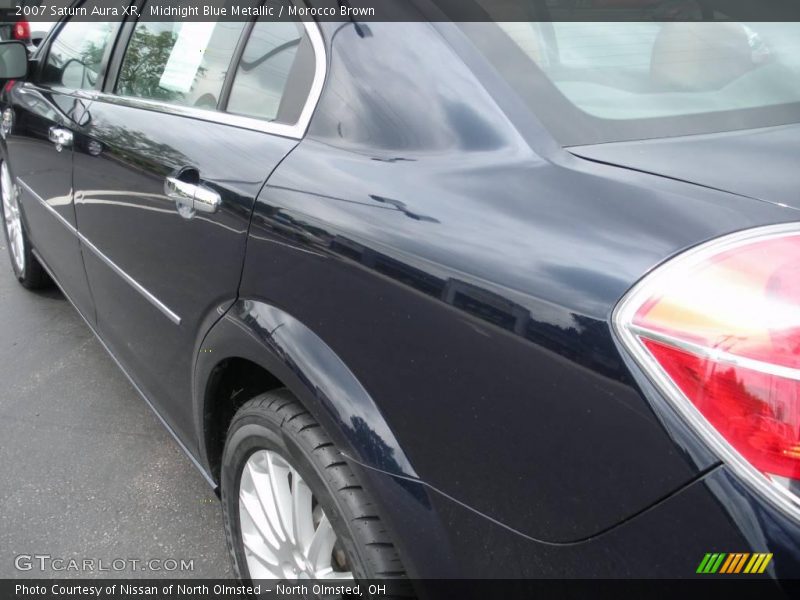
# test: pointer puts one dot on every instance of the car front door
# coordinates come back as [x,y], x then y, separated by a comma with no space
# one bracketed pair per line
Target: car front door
[194,119]
[43,117]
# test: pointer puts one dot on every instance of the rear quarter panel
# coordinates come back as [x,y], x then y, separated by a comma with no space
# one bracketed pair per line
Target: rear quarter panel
[467,282]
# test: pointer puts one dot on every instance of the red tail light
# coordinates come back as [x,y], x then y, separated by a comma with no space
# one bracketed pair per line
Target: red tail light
[21,30]
[718,330]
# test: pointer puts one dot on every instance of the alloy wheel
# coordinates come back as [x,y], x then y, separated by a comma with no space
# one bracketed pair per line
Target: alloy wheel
[285,532]
[12,218]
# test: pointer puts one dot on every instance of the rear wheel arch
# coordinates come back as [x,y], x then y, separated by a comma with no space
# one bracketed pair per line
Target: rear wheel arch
[257,348]
[273,445]
[232,382]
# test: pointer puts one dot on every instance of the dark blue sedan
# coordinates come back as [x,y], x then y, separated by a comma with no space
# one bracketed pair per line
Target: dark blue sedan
[430,300]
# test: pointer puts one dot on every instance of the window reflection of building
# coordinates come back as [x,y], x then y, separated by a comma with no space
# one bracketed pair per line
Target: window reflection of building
[486,305]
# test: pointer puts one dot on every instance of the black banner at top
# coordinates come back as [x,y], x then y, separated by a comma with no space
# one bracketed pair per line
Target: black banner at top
[404,10]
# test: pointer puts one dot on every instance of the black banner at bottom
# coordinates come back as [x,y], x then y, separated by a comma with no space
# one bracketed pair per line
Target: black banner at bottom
[464,589]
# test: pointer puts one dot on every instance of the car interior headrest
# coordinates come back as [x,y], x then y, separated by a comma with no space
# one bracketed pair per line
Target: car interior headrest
[700,56]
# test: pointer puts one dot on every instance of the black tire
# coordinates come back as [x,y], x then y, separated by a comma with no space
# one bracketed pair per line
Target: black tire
[32,275]
[277,421]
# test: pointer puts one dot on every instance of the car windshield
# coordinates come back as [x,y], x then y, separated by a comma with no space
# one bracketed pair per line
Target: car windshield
[594,82]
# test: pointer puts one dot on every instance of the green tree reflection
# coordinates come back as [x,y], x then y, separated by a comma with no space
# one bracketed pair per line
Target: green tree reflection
[144,64]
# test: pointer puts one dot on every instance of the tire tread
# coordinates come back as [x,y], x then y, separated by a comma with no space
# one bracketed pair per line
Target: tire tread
[373,539]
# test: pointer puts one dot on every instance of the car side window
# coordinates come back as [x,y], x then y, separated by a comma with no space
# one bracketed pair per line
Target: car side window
[75,56]
[274,74]
[181,63]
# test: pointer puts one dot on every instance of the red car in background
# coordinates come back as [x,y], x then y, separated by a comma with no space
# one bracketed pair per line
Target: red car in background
[14,26]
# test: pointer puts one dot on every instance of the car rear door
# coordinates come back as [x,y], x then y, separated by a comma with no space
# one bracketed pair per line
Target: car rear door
[194,118]
[42,120]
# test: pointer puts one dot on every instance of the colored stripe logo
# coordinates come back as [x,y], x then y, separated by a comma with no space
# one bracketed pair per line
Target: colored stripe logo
[733,563]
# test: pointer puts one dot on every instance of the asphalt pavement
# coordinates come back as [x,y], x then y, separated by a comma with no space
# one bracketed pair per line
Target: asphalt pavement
[87,470]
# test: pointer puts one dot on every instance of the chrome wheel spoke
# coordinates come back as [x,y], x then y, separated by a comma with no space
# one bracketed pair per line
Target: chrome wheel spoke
[329,573]
[278,471]
[251,510]
[319,552]
[264,505]
[260,568]
[277,512]
[256,546]
[12,218]
[302,515]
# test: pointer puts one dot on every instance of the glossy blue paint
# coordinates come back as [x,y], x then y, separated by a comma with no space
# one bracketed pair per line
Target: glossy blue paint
[467,281]
[433,277]
[274,339]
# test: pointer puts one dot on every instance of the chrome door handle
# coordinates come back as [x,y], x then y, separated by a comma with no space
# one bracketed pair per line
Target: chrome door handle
[192,197]
[179,190]
[206,200]
[61,137]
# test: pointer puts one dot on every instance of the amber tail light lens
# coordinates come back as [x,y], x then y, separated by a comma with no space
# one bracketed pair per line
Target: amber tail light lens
[718,330]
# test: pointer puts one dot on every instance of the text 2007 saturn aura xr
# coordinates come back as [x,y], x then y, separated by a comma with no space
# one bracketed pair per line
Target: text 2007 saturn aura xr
[438,300]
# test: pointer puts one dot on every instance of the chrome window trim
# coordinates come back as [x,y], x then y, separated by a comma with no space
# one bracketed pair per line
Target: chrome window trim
[171,315]
[628,335]
[295,131]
